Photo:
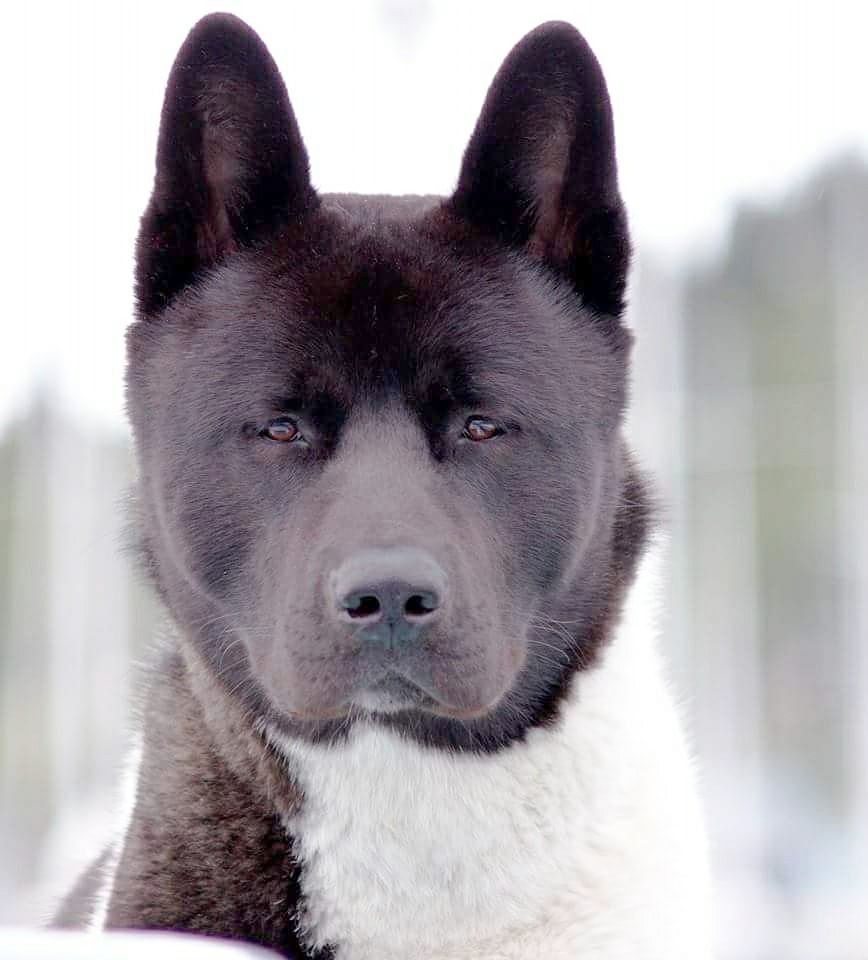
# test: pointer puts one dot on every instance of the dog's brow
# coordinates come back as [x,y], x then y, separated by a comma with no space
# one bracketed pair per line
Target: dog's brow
[287,403]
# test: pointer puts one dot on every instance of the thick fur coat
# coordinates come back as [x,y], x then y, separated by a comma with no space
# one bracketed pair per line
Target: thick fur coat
[412,707]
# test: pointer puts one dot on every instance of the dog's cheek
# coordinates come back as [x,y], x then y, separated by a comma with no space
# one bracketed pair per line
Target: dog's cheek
[492,610]
[554,515]
[279,598]
[219,548]
[209,529]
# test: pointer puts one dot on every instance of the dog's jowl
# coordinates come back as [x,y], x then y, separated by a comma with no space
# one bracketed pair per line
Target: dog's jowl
[411,707]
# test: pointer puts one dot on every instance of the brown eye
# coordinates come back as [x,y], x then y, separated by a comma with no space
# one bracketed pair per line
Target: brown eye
[282,430]
[478,428]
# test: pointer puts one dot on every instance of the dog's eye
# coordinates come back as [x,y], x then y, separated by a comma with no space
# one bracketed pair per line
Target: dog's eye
[282,430]
[478,428]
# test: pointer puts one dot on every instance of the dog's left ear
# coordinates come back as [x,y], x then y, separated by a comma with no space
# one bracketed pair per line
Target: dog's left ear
[540,170]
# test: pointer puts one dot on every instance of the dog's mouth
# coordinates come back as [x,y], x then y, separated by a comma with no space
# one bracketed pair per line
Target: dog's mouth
[393,693]
[375,681]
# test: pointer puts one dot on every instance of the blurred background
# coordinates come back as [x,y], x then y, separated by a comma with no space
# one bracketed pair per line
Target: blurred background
[743,145]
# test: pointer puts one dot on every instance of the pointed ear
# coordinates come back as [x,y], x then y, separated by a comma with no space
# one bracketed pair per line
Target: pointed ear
[230,160]
[540,171]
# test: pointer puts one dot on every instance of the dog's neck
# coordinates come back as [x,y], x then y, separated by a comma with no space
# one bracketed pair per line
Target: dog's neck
[556,842]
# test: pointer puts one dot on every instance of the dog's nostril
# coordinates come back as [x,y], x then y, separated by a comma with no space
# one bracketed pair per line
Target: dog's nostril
[361,606]
[388,592]
[421,604]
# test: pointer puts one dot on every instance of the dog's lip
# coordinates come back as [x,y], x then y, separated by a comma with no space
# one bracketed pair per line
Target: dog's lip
[460,713]
[437,701]
[336,712]
[430,700]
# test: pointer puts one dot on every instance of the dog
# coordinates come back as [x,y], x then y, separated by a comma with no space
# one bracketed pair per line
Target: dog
[412,707]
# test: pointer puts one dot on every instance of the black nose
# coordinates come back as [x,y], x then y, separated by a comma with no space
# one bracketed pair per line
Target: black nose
[390,592]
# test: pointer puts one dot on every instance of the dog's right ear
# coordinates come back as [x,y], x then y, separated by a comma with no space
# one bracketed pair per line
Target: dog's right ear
[539,172]
[230,160]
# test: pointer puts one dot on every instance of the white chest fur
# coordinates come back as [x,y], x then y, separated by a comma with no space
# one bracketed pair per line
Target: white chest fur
[581,843]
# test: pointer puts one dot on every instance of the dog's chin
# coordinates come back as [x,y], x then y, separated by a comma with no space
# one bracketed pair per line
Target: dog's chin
[389,695]
[396,694]
[392,694]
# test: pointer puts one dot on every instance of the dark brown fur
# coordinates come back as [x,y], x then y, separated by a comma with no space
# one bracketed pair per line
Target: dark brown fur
[379,324]
[210,801]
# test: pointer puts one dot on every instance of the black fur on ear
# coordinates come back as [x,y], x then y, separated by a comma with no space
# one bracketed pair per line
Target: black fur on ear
[540,170]
[230,160]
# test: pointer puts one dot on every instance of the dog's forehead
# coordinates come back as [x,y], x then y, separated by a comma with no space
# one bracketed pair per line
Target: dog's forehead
[382,302]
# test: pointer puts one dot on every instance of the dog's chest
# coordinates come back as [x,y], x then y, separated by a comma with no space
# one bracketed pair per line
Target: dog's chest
[554,846]
[408,849]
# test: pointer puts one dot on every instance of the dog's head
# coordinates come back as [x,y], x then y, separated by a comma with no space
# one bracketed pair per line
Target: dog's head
[378,439]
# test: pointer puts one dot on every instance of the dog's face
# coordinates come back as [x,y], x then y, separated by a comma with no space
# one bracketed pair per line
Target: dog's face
[378,439]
